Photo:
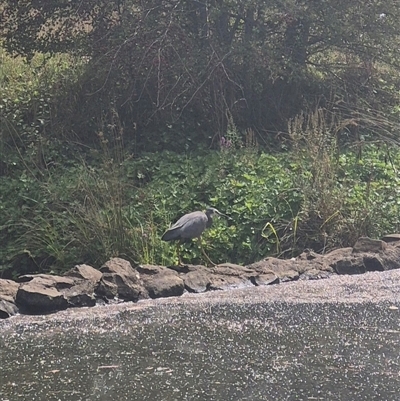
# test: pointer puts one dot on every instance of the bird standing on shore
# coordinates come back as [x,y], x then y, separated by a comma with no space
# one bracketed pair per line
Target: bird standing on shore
[190,226]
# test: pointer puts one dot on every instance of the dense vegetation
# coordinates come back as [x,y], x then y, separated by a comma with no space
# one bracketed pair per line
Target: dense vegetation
[119,116]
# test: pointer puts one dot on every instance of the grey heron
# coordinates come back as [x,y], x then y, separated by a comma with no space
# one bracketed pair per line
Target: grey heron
[190,226]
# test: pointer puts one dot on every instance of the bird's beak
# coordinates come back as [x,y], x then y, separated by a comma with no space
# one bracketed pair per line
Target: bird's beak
[223,215]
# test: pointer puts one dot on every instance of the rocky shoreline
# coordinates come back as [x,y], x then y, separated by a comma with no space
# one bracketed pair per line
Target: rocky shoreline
[117,281]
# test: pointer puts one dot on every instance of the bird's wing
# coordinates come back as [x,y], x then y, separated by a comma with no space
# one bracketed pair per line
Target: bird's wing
[193,226]
[189,226]
[184,220]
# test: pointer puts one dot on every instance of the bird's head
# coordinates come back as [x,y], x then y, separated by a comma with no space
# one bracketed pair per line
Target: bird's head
[212,211]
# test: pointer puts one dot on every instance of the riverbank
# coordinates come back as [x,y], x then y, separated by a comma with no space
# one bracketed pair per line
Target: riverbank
[368,272]
[369,288]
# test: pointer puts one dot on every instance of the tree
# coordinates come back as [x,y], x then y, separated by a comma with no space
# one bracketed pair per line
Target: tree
[188,64]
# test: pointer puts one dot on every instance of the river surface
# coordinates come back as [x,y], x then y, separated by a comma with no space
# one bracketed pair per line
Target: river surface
[201,347]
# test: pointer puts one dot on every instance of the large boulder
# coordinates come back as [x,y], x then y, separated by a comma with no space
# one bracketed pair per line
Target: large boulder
[160,281]
[224,276]
[40,295]
[120,281]
[47,293]
[284,270]
[87,280]
[82,293]
[366,255]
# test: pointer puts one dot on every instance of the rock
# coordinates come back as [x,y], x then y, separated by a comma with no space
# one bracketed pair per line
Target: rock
[315,274]
[349,265]
[120,280]
[8,294]
[85,272]
[87,279]
[160,281]
[390,238]
[80,299]
[220,277]
[47,293]
[49,280]
[390,259]
[152,270]
[82,293]
[40,296]
[335,255]
[228,282]
[119,266]
[182,268]
[265,279]
[113,285]
[359,263]
[228,275]
[285,270]
[8,290]
[107,287]
[365,244]
[197,281]
[231,269]
[373,263]
[7,309]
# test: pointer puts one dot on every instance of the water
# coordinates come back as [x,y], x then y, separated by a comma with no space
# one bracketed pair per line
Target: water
[223,352]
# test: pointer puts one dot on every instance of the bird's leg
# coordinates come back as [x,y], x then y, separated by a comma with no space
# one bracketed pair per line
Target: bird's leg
[178,252]
[204,253]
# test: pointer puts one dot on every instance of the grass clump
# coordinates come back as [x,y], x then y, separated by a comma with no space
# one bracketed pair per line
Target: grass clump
[347,192]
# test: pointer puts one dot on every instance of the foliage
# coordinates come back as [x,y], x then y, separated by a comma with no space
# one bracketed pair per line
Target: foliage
[176,72]
[250,188]
[346,194]
[88,213]
[118,117]
[30,113]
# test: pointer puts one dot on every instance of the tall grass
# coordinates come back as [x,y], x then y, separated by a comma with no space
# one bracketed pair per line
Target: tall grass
[91,213]
[340,204]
